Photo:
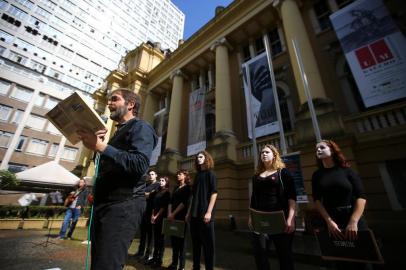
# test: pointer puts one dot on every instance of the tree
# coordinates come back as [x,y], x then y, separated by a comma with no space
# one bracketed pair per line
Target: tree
[8,179]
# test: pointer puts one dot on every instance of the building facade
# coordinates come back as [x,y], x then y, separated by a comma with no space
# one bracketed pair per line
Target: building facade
[213,58]
[48,49]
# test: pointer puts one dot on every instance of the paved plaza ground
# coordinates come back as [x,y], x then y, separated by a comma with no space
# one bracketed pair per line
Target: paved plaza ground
[29,249]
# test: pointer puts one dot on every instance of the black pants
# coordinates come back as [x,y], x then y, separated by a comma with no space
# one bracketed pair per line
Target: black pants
[113,228]
[283,246]
[159,241]
[178,250]
[146,235]
[202,235]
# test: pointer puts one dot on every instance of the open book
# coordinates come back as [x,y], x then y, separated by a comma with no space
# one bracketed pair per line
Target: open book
[72,112]
[268,222]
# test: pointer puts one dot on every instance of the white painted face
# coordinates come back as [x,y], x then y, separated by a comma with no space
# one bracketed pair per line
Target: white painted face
[200,159]
[162,182]
[267,155]
[152,175]
[323,150]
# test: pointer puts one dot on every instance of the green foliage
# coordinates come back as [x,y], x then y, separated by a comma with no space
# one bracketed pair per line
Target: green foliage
[15,211]
[8,179]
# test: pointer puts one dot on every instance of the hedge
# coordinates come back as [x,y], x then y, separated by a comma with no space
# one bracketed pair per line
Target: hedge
[13,211]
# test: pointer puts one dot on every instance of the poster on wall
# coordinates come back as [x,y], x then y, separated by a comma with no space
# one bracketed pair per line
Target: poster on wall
[197,122]
[292,162]
[375,50]
[159,124]
[259,97]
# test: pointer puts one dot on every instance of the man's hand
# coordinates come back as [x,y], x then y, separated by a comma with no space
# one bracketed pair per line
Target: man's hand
[93,141]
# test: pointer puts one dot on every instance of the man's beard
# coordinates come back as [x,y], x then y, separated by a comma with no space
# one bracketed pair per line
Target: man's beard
[119,113]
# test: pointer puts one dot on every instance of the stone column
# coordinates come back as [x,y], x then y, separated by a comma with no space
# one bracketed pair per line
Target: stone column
[223,88]
[329,121]
[150,107]
[175,113]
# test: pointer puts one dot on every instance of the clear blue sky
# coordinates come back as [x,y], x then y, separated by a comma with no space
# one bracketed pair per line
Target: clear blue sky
[198,13]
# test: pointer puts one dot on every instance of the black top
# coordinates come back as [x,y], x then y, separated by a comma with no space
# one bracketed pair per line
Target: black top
[152,188]
[124,161]
[336,187]
[204,185]
[268,194]
[181,195]
[161,200]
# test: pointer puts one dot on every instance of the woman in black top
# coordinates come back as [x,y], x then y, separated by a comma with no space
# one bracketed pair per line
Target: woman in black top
[177,210]
[338,194]
[273,190]
[160,204]
[200,214]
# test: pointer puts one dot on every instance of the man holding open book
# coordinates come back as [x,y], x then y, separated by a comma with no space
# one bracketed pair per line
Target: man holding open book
[119,200]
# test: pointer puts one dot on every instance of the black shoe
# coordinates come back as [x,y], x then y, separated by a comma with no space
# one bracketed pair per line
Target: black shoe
[156,264]
[149,261]
[172,266]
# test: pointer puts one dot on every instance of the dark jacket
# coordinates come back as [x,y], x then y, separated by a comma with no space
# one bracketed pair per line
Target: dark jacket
[124,162]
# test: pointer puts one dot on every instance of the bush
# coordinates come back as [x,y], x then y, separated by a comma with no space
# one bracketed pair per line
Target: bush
[8,179]
[12,211]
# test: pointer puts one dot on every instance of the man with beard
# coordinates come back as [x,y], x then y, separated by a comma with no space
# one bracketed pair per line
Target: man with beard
[119,200]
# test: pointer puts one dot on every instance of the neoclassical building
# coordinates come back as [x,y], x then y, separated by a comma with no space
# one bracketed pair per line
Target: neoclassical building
[373,139]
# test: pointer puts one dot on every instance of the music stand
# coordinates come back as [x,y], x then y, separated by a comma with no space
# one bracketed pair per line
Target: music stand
[50,216]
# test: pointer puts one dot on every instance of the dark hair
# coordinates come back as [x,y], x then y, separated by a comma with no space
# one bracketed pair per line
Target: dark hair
[277,162]
[77,184]
[336,154]
[187,176]
[151,170]
[166,181]
[129,96]
[208,162]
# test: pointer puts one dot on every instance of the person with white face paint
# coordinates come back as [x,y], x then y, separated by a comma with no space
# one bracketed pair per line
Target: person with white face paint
[200,213]
[339,196]
[273,190]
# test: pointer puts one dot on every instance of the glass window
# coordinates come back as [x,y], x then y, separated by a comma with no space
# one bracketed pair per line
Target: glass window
[51,103]
[6,37]
[17,116]
[16,57]
[26,3]
[52,129]
[42,12]
[322,11]
[24,45]
[275,41]
[5,112]
[49,4]
[3,4]
[4,87]
[5,138]
[2,50]
[37,22]
[53,150]
[37,66]
[21,143]
[259,45]
[37,147]
[39,101]
[69,153]
[17,12]
[54,73]
[16,167]
[35,122]
[21,93]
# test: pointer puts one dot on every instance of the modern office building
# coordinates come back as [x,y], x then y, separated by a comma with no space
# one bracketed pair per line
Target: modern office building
[48,49]
[372,137]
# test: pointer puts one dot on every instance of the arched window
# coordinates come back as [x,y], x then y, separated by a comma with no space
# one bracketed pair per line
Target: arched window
[285,105]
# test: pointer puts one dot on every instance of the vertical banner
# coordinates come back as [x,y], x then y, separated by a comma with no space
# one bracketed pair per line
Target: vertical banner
[375,50]
[259,98]
[197,122]
[292,162]
[159,125]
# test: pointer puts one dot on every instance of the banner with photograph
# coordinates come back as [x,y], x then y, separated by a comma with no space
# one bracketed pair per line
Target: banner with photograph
[160,123]
[292,162]
[375,50]
[197,122]
[259,97]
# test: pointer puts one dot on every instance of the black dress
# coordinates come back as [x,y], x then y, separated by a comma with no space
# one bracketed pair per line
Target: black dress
[160,201]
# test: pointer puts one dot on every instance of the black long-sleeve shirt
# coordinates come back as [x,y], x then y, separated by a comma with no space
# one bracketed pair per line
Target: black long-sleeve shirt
[336,187]
[124,161]
[268,194]
[181,195]
[204,185]
[161,200]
